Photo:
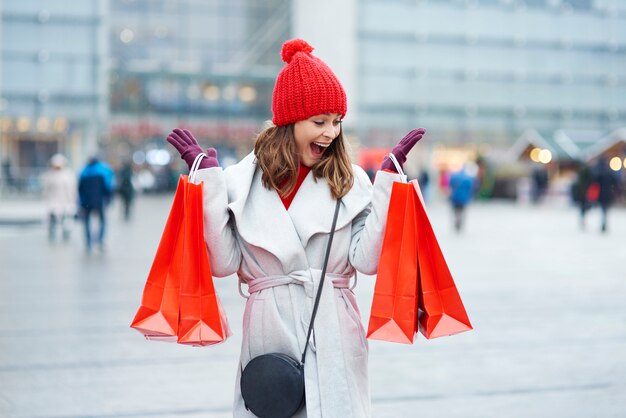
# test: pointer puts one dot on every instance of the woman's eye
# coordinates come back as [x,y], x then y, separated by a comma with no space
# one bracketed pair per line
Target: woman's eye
[337,122]
[318,122]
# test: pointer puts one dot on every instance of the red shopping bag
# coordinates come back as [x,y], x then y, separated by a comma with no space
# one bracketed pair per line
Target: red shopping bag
[202,319]
[157,317]
[441,311]
[394,306]
[179,302]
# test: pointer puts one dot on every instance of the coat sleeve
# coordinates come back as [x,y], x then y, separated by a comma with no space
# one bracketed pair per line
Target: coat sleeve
[368,227]
[219,232]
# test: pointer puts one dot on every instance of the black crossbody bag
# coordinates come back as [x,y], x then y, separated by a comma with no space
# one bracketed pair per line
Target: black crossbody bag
[272,385]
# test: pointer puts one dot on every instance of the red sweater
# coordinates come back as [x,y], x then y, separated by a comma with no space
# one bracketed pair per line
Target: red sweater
[302,173]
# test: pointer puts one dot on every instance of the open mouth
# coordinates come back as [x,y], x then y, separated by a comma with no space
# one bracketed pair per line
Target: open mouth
[318,148]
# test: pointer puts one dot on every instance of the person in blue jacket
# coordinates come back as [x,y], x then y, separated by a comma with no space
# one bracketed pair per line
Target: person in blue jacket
[96,184]
[461,193]
[608,184]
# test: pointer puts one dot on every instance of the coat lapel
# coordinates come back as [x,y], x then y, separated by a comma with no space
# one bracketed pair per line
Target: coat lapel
[261,218]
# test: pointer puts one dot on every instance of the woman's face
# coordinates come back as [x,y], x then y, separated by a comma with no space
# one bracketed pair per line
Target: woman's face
[314,135]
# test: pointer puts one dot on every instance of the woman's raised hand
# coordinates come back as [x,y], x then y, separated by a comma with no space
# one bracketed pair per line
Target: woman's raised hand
[401,150]
[188,147]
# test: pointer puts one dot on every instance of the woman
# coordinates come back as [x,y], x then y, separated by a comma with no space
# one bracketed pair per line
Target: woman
[268,218]
[59,193]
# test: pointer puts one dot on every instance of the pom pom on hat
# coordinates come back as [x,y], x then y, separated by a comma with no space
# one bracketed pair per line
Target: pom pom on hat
[290,48]
[305,87]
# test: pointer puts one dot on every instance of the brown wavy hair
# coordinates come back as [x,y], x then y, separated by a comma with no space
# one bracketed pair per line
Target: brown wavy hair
[277,155]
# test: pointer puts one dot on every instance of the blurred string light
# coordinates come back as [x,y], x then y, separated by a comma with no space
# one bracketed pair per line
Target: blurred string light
[23,124]
[158,157]
[534,154]
[247,94]
[139,157]
[540,155]
[545,156]
[211,92]
[43,124]
[616,164]
[6,124]
[60,124]
[624,162]
[127,35]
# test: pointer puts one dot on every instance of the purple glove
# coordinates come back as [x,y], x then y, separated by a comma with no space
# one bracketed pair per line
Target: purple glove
[402,149]
[188,147]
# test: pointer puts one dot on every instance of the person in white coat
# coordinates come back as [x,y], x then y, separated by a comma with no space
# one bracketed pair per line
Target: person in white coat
[268,219]
[60,197]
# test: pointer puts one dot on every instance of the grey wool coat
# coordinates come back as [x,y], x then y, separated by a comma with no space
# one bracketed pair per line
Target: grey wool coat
[278,254]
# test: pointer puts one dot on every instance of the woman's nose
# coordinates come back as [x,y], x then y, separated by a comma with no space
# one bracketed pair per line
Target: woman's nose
[331,132]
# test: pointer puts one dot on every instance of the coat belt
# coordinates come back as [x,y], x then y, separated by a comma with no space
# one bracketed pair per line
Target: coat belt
[302,277]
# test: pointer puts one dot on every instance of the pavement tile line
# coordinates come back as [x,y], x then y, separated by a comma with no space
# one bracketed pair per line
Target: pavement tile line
[109,364]
[375,401]
[507,392]
[169,413]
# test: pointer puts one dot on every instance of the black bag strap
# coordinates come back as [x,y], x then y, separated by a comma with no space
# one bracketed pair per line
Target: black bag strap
[319,289]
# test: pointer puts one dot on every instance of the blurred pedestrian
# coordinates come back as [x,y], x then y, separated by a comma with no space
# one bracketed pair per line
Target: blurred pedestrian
[539,183]
[7,174]
[444,181]
[461,185]
[95,191]
[580,189]
[269,218]
[126,188]
[607,182]
[59,194]
[424,182]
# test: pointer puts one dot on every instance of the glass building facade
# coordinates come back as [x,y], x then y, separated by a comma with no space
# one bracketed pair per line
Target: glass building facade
[120,74]
[487,70]
[53,82]
[206,65]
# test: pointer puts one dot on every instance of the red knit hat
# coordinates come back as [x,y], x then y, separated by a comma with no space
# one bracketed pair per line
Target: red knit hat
[305,87]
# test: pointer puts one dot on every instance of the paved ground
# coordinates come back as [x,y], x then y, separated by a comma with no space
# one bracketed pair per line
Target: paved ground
[547,301]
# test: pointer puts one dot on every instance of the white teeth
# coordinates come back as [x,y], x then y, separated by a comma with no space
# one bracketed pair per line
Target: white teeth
[321,145]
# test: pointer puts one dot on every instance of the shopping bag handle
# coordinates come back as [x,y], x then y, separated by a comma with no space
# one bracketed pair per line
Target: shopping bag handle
[194,167]
[395,162]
